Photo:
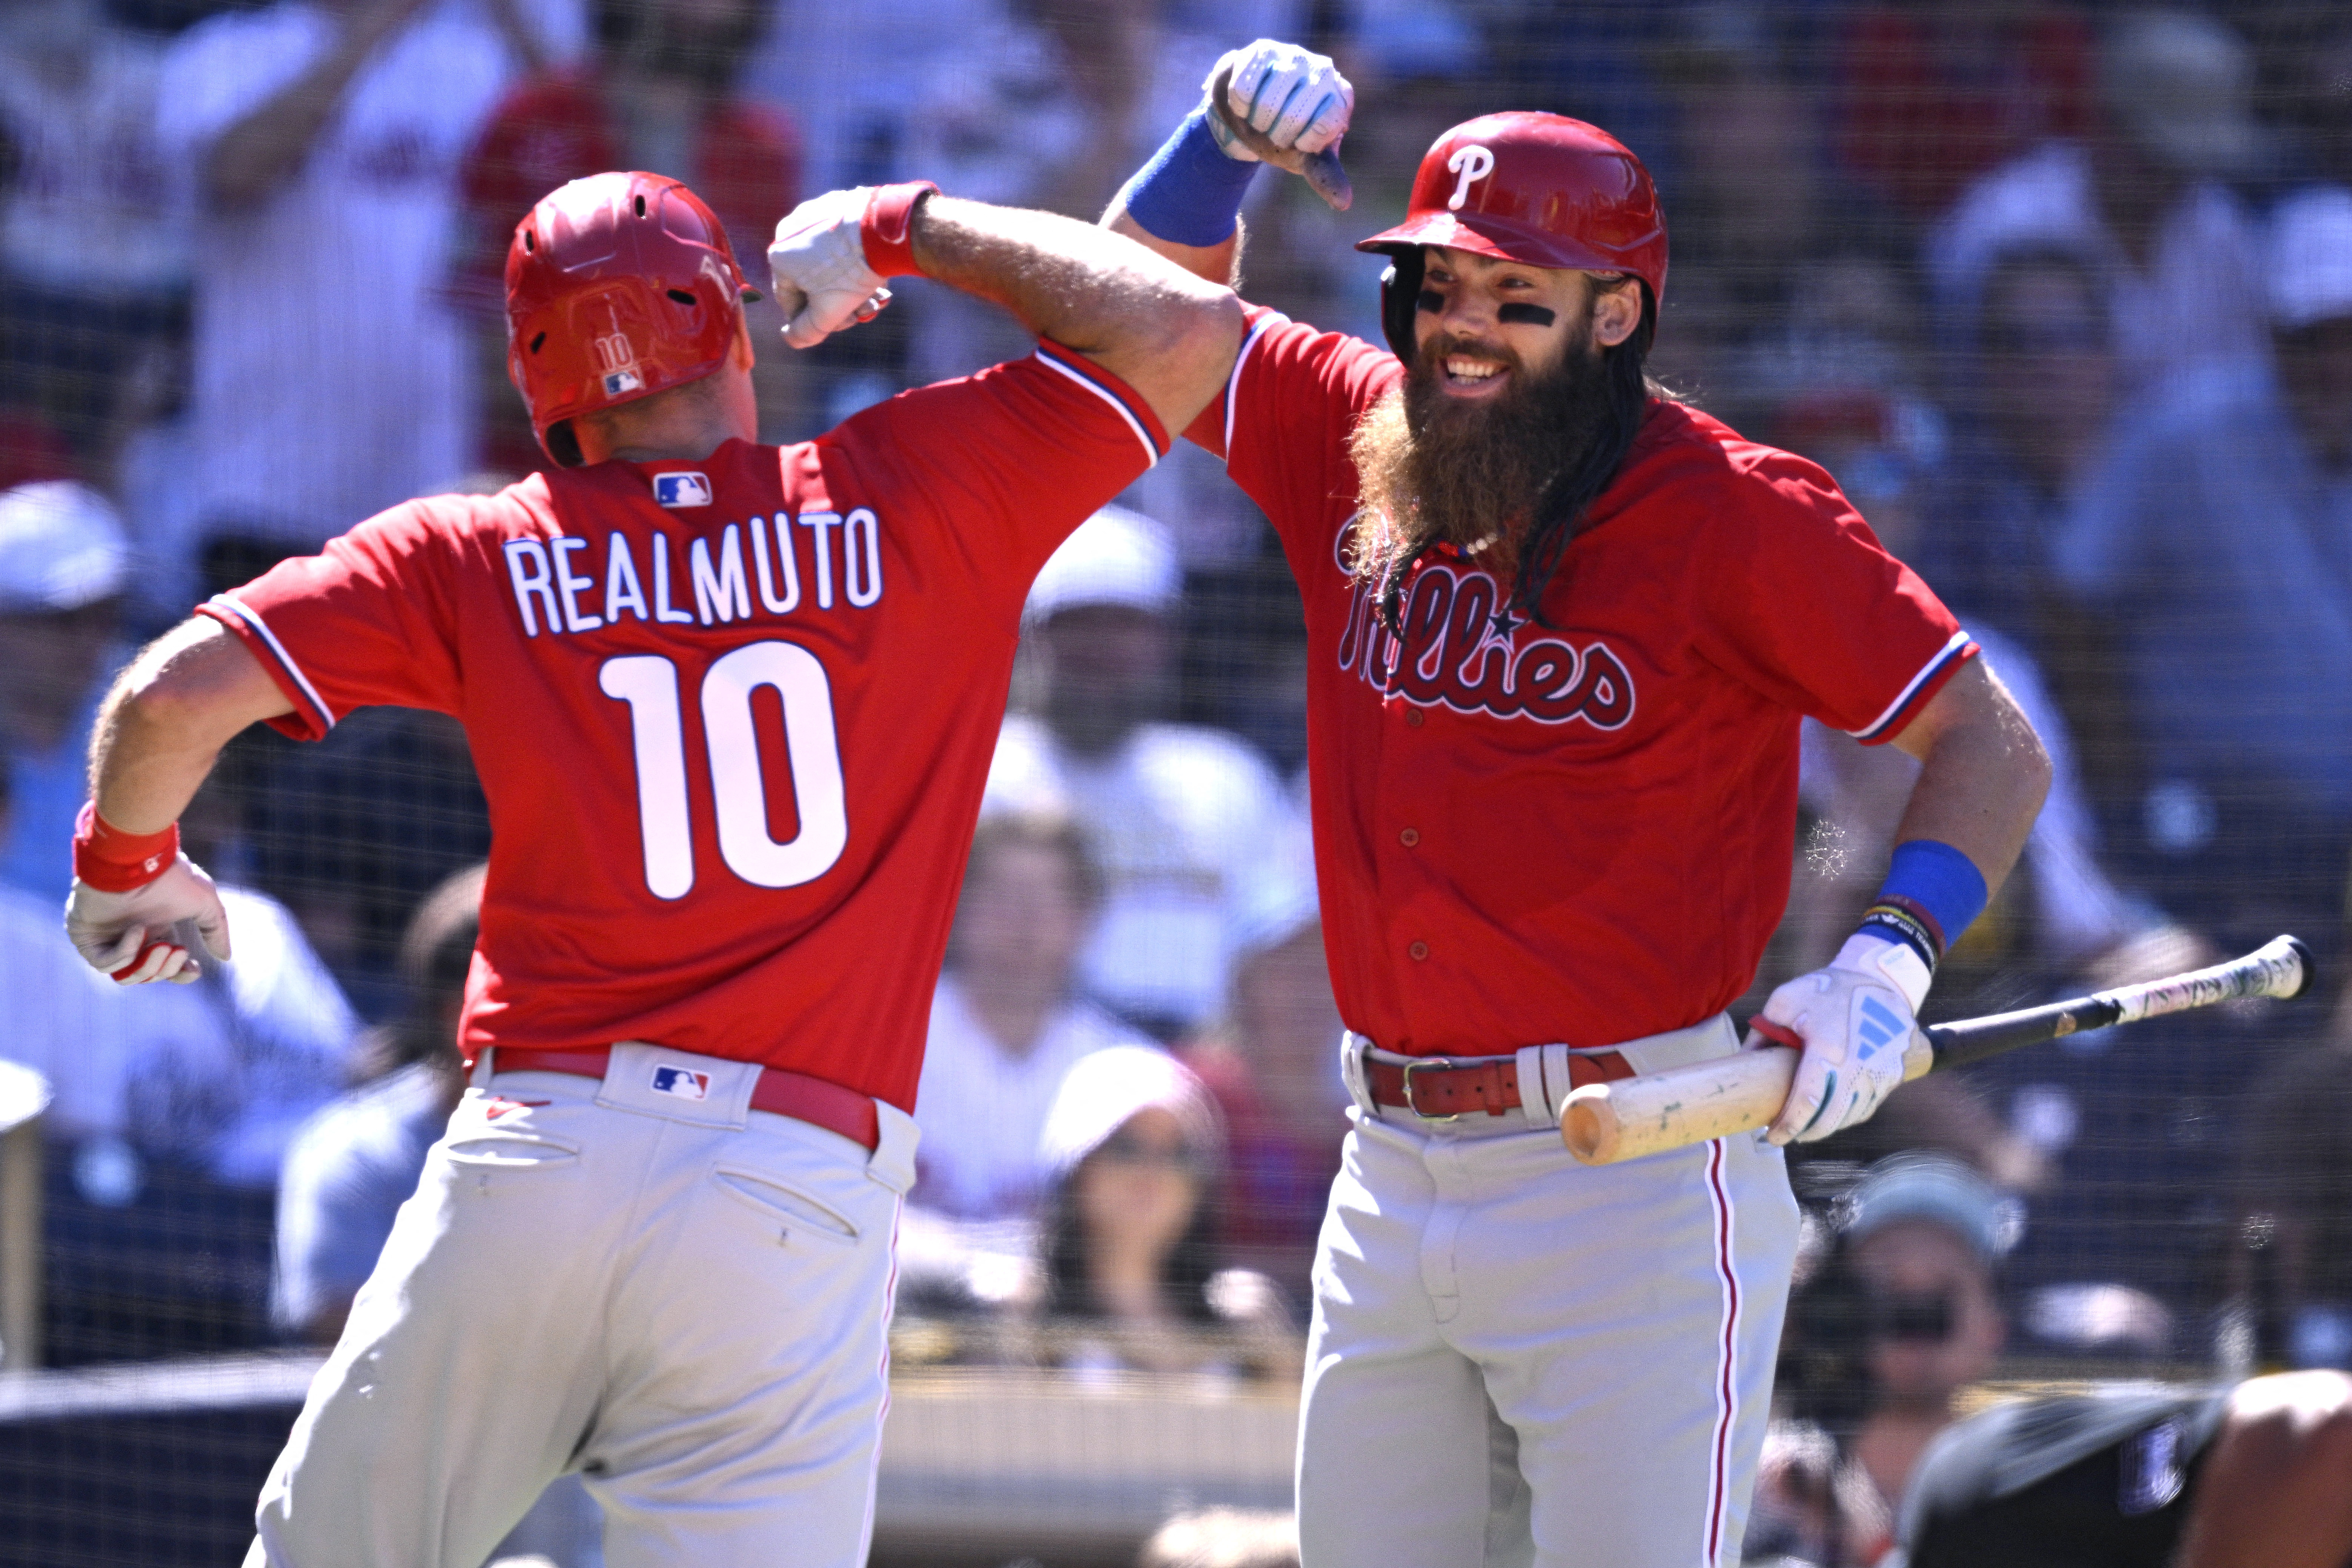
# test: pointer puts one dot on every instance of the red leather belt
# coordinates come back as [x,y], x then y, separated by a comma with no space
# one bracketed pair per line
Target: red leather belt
[1438,1087]
[792,1094]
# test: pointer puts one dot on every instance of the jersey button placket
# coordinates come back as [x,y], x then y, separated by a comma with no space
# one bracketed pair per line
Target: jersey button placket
[1412,717]
[1419,950]
[1409,838]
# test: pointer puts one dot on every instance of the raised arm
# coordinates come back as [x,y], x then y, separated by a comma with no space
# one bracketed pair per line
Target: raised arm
[1166,334]
[1266,102]
[255,156]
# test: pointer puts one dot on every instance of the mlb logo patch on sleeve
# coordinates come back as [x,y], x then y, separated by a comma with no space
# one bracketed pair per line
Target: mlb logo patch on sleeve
[682,1082]
[681,489]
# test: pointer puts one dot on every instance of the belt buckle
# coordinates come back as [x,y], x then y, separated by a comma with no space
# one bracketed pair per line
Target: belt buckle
[1414,1066]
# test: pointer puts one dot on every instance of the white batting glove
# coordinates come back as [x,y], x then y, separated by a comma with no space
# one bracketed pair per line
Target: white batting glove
[129,935]
[817,261]
[1293,97]
[1854,1018]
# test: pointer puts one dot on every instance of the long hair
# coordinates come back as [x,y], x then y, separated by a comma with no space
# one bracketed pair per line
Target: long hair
[1195,1258]
[1558,515]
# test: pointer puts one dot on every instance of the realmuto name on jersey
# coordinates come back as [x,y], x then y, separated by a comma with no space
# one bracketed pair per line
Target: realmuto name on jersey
[1463,648]
[568,584]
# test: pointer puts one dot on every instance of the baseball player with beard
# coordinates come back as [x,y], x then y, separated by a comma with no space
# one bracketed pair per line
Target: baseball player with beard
[1562,629]
[733,708]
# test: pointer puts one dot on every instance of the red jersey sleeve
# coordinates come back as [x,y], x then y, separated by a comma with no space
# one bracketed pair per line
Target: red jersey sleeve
[1015,456]
[1806,606]
[369,620]
[1289,408]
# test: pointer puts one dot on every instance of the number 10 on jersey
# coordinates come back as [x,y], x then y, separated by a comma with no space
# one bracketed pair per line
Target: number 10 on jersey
[649,684]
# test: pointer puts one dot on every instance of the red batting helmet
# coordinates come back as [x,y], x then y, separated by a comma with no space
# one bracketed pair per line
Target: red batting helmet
[618,285]
[1522,186]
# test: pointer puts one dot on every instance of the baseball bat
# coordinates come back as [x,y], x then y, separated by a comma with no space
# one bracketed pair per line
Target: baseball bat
[1606,1122]
[1321,171]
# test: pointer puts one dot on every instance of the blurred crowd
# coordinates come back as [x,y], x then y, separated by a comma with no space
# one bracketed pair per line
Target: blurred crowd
[2061,294]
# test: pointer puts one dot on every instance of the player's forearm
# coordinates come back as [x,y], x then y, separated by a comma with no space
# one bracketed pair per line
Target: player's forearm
[164,724]
[1167,333]
[1983,776]
[1218,263]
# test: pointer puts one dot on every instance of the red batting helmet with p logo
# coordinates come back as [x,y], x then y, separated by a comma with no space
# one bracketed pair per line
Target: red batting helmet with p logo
[1541,189]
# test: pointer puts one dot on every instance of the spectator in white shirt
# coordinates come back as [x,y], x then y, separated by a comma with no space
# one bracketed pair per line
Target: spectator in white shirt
[318,147]
[1006,1024]
[1184,819]
[2143,198]
[94,259]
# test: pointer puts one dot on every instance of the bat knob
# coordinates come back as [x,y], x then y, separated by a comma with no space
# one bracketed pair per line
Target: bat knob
[1326,179]
[1588,1123]
[2309,967]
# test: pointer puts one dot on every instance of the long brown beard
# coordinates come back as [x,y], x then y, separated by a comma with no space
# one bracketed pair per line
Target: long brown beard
[1431,470]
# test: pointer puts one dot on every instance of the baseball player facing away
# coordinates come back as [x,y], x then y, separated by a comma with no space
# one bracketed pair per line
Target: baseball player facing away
[1562,630]
[733,707]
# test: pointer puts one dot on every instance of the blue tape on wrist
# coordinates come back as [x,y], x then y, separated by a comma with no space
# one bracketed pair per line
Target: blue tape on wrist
[1190,193]
[1939,879]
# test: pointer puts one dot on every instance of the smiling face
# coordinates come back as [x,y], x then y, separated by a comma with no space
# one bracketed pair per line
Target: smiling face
[1487,323]
[1509,390]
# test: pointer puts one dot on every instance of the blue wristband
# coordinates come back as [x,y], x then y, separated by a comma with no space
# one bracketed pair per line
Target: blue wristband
[1941,881]
[1190,193]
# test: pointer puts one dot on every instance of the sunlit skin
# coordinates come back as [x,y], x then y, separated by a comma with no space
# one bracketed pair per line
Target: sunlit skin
[1485,351]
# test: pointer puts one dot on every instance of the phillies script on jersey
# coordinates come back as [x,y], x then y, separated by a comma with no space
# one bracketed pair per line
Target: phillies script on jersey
[1574,828]
[732,717]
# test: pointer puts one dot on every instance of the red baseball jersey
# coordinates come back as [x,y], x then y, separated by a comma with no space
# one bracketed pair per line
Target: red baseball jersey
[1580,832]
[732,717]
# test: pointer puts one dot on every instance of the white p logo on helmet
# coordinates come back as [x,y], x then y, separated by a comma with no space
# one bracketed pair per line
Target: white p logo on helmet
[1473,163]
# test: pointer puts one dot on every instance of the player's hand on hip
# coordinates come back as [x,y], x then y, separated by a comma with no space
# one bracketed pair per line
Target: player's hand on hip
[1854,1021]
[1294,98]
[817,261]
[130,935]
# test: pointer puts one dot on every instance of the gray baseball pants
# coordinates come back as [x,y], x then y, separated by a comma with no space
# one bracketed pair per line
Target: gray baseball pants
[1519,1360]
[687,1303]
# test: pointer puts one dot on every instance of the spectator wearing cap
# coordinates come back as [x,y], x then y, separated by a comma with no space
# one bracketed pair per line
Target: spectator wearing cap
[1129,1243]
[1182,818]
[63,561]
[2215,540]
[1006,1021]
[1924,1237]
[215,1074]
[1903,1314]
[2142,195]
